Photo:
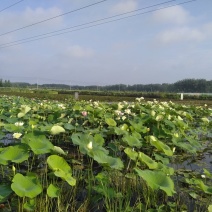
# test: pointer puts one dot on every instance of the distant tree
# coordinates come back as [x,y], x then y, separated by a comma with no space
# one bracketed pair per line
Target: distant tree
[7,83]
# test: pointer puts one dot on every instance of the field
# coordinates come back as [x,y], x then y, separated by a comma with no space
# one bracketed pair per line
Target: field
[94,156]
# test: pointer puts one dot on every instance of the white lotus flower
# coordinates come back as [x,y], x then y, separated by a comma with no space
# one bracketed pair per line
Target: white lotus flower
[139,99]
[19,124]
[17,135]
[124,117]
[128,111]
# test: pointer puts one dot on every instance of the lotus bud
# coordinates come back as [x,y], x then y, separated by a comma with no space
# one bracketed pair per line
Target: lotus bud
[13,168]
[90,145]
[176,135]
[159,118]
[152,113]
[84,113]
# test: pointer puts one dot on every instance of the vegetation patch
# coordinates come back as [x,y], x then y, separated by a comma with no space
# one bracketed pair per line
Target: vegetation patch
[92,156]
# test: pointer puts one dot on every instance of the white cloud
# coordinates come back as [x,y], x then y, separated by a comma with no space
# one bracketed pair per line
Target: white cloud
[207,29]
[173,15]
[181,34]
[79,52]
[124,6]
[40,14]
[29,16]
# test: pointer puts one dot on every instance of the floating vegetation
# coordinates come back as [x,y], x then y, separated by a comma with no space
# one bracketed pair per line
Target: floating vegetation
[92,156]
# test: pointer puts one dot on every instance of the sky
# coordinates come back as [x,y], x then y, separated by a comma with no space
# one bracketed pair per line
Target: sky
[160,46]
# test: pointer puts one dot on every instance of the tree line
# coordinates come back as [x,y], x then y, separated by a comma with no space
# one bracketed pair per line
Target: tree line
[185,86]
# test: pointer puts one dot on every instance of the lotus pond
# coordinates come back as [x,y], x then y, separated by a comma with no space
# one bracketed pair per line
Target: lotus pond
[92,156]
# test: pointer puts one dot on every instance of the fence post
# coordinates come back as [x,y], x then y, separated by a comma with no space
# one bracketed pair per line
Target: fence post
[76,95]
[181,96]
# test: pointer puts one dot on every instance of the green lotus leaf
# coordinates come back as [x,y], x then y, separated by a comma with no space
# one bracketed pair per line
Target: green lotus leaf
[5,191]
[11,128]
[38,143]
[57,130]
[111,122]
[131,154]
[119,131]
[24,186]
[147,160]
[202,186]
[99,139]
[157,180]
[210,208]
[2,135]
[184,145]
[161,146]
[68,126]
[61,169]
[53,191]
[102,158]
[207,173]
[58,150]
[138,127]
[16,154]
[30,205]
[24,110]
[132,141]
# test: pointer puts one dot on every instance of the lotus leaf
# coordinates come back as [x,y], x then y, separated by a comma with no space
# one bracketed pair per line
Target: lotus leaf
[53,191]
[30,205]
[57,130]
[59,150]
[132,141]
[25,186]
[111,122]
[157,180]
[131,154]
[147,160]
[102,158]
[39,144]
[24,110]
[61,168]
[16,154]
[5,191]
[161,146]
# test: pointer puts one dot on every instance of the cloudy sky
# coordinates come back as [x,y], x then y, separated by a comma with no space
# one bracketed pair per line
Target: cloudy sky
[163,46]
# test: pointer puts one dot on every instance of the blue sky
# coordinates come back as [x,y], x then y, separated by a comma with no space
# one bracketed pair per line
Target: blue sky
[158,47]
